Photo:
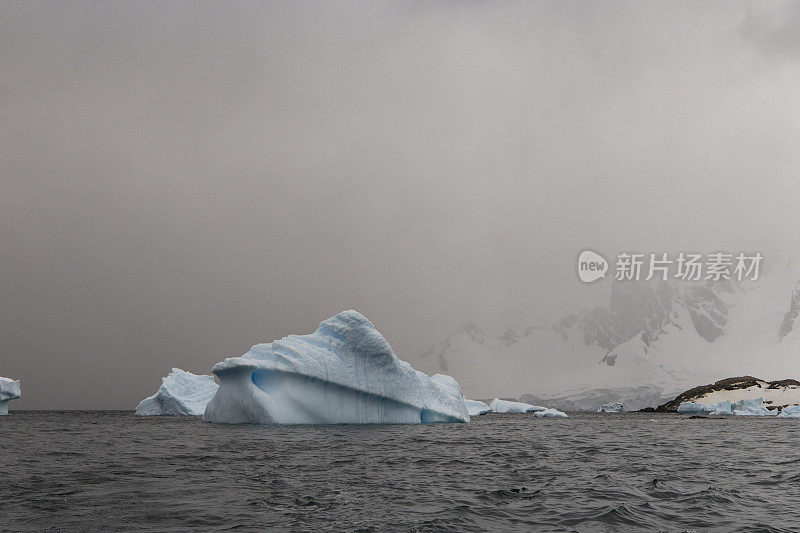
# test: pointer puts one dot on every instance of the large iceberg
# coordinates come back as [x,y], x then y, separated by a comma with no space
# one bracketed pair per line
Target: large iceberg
[745,407]
[476,407]
[613,407]
[181,393]
[343,373]
[9,390]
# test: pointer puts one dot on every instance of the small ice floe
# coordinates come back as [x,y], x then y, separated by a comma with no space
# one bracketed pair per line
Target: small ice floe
[613,407]
[505,406]
[9,390]
[476,407]
[745,407]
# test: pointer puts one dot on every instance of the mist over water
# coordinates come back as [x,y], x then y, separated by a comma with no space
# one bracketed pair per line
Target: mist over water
[113,471]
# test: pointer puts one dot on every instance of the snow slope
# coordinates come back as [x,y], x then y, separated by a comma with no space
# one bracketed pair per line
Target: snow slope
[634,398]
[345,372]
[668,336]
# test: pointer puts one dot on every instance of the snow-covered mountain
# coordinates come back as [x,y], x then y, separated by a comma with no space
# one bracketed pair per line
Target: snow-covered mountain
[665,335]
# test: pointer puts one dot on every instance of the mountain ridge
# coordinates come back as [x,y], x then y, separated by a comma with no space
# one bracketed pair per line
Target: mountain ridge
[668,335]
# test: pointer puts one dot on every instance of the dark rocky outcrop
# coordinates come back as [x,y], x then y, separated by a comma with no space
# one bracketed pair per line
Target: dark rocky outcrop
[783,383]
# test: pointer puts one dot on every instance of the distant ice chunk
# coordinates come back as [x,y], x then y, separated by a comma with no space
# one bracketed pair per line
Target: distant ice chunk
[746,407]
[9,390]
[753,406]
[790,411]
[692,408]
[505,406]
[181,393]
[476,408]
[549,413]
[343,373]
[613,407]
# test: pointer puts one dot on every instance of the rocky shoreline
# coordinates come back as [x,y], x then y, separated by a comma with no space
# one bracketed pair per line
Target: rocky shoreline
[742,383]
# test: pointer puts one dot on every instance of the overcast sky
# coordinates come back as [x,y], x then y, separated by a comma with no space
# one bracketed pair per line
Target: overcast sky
[179,181]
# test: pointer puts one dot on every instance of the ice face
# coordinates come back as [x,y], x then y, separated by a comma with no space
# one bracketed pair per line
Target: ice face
[343,373]
[753,406]
[692,408]
[791,411]
[181,393]
[746,407]
[613,407]
[9,390]
[476,408]
[505,406]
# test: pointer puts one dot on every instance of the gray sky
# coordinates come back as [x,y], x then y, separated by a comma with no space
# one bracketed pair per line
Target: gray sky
[179,181]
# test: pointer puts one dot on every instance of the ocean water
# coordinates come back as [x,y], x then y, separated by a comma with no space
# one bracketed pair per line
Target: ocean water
[113,471]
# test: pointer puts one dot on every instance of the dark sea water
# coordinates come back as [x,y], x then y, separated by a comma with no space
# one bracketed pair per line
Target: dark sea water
[113,471]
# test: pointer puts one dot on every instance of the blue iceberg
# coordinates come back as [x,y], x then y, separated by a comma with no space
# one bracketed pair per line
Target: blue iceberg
[343,373]
[181,393]
[790,411]
[9,390]
[745,407]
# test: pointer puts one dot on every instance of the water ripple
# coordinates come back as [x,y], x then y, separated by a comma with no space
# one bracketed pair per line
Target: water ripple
[111,471]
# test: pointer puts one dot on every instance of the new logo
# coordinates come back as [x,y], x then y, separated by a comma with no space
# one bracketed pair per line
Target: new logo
[591,266]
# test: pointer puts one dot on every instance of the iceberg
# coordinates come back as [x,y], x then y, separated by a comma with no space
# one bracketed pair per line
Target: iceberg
[476,408]
[343,373]
[752,407]
[745,407]
[613,407]
[693,408]
[9,390]
[549,413]
[790,411]
[505,406]
[181,393]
